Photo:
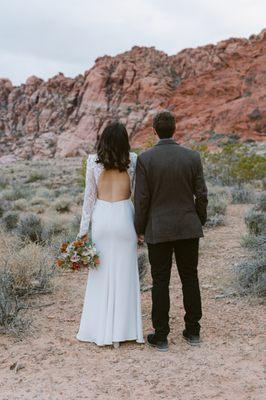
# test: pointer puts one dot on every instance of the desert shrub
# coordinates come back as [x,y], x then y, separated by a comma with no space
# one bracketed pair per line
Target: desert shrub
[251,273]
[79,198]
[36,176]
[10,220]
[251,276]
[37,200]
[30,227]
[3,182]
[216,208]
[10,320]
[256,222]
[15,193]
[43,192]
[54,227]
[242,196]
[63,190]
[82,172]
[150,142]
[25,270]
[254,242]
[261,203]
[248,168]
[75,223]
[62,204]
[234,164]
[31,268]
[2,210]
[20,204]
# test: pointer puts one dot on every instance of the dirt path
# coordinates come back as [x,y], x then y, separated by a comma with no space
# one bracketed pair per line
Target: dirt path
[227,366]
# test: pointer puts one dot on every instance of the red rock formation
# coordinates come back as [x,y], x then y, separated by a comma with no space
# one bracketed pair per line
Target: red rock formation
[216,92]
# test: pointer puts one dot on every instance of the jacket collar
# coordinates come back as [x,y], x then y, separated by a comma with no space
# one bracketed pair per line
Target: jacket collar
[166,141]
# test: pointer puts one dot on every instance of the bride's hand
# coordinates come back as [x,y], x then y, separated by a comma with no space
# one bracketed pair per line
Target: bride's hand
[140,240]
[83,237]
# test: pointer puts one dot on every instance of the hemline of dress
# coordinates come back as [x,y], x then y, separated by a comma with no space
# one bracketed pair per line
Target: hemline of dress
[111,343]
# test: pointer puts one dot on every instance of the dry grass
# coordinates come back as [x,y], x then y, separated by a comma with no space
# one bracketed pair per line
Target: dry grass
[26,269]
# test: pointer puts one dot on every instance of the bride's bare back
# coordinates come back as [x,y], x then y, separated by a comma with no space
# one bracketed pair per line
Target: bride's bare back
[113,185]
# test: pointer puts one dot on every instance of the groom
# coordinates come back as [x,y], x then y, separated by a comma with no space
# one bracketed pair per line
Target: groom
[170,209]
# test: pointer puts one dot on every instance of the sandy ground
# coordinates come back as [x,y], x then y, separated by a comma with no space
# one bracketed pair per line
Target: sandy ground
[227,365]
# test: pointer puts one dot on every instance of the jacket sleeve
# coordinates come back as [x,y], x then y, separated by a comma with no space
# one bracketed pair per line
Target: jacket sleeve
[200,191]
[141,198]
[90,197]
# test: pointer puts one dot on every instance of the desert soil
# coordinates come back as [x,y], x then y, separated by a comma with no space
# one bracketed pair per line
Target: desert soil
[227,366]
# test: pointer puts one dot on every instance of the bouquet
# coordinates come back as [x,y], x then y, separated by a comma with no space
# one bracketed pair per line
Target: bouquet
[79,254]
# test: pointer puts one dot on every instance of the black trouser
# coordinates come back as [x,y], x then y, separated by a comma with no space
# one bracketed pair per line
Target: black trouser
[186,255]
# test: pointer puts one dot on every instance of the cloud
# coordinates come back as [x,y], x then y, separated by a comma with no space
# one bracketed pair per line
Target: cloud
[42,37]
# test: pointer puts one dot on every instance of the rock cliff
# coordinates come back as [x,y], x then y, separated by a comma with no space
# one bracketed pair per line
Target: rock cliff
[217,92]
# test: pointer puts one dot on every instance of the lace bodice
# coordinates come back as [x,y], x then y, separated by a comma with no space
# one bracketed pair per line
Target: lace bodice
[93,172]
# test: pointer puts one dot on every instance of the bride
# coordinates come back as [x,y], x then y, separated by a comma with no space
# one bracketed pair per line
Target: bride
[112,308]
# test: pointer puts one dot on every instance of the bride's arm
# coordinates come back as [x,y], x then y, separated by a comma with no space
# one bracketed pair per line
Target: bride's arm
[90,196]
[133,160]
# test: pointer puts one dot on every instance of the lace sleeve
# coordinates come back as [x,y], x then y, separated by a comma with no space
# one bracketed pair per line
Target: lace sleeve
[133,162]
[90,196]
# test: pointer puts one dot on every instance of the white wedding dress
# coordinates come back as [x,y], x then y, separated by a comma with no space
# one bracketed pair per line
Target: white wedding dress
[112,306]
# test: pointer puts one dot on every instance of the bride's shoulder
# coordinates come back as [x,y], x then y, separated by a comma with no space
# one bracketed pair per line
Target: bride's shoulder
[133,157]
[92,158]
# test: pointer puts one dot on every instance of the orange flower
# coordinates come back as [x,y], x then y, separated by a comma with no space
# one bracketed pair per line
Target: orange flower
[78,243]
[63,247]
[59,263]
[96,260]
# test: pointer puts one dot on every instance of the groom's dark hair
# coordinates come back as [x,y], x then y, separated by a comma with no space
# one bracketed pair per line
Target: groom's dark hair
[164,124]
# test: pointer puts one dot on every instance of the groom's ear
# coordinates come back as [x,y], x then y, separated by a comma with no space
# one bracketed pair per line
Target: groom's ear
[154,131]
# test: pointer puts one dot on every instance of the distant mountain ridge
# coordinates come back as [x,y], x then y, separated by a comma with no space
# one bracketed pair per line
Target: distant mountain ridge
[217,92]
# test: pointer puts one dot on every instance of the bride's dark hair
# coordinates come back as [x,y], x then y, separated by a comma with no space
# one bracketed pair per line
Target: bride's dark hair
[113,147]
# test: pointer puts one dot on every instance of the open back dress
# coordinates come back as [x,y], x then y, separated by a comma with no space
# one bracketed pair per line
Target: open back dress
[112,306]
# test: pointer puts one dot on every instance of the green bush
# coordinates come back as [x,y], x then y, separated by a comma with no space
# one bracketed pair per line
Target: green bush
[234,164]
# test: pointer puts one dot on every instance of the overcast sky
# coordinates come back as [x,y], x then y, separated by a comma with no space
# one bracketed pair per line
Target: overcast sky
[44,37]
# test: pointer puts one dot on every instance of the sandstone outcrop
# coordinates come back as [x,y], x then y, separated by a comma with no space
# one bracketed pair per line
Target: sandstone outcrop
[217,92]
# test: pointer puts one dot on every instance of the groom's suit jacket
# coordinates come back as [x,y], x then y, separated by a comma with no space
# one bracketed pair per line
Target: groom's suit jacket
[170,193]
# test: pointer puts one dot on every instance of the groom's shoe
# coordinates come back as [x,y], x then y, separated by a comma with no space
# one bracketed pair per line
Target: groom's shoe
[161,345]
[193,340]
